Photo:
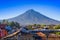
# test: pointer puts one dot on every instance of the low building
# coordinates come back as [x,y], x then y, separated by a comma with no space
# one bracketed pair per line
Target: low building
[53,37]
[2,26]
[41,35]
[3,33]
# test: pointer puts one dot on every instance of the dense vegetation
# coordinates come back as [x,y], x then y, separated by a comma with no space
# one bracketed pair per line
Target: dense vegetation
[57,27]
[10,23]
[42,26]
[32,27]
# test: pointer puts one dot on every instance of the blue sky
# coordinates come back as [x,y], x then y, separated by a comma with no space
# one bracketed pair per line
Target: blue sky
[13,8]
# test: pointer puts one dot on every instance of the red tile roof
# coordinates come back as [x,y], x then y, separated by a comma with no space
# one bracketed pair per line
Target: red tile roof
[2,25]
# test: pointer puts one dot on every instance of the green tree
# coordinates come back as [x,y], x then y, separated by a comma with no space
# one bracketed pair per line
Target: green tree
[17,25]
[58,33]
[5,21]
[11,23]
[43,25]
[0,22]
[29,27]
[35,24]
[57,27]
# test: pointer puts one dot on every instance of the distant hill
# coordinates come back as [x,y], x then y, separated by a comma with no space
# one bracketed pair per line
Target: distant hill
[33,17]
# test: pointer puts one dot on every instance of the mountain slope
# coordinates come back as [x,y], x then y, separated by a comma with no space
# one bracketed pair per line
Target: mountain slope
[33,17]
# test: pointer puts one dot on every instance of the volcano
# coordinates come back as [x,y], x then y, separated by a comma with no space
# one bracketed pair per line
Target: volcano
[33,17]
